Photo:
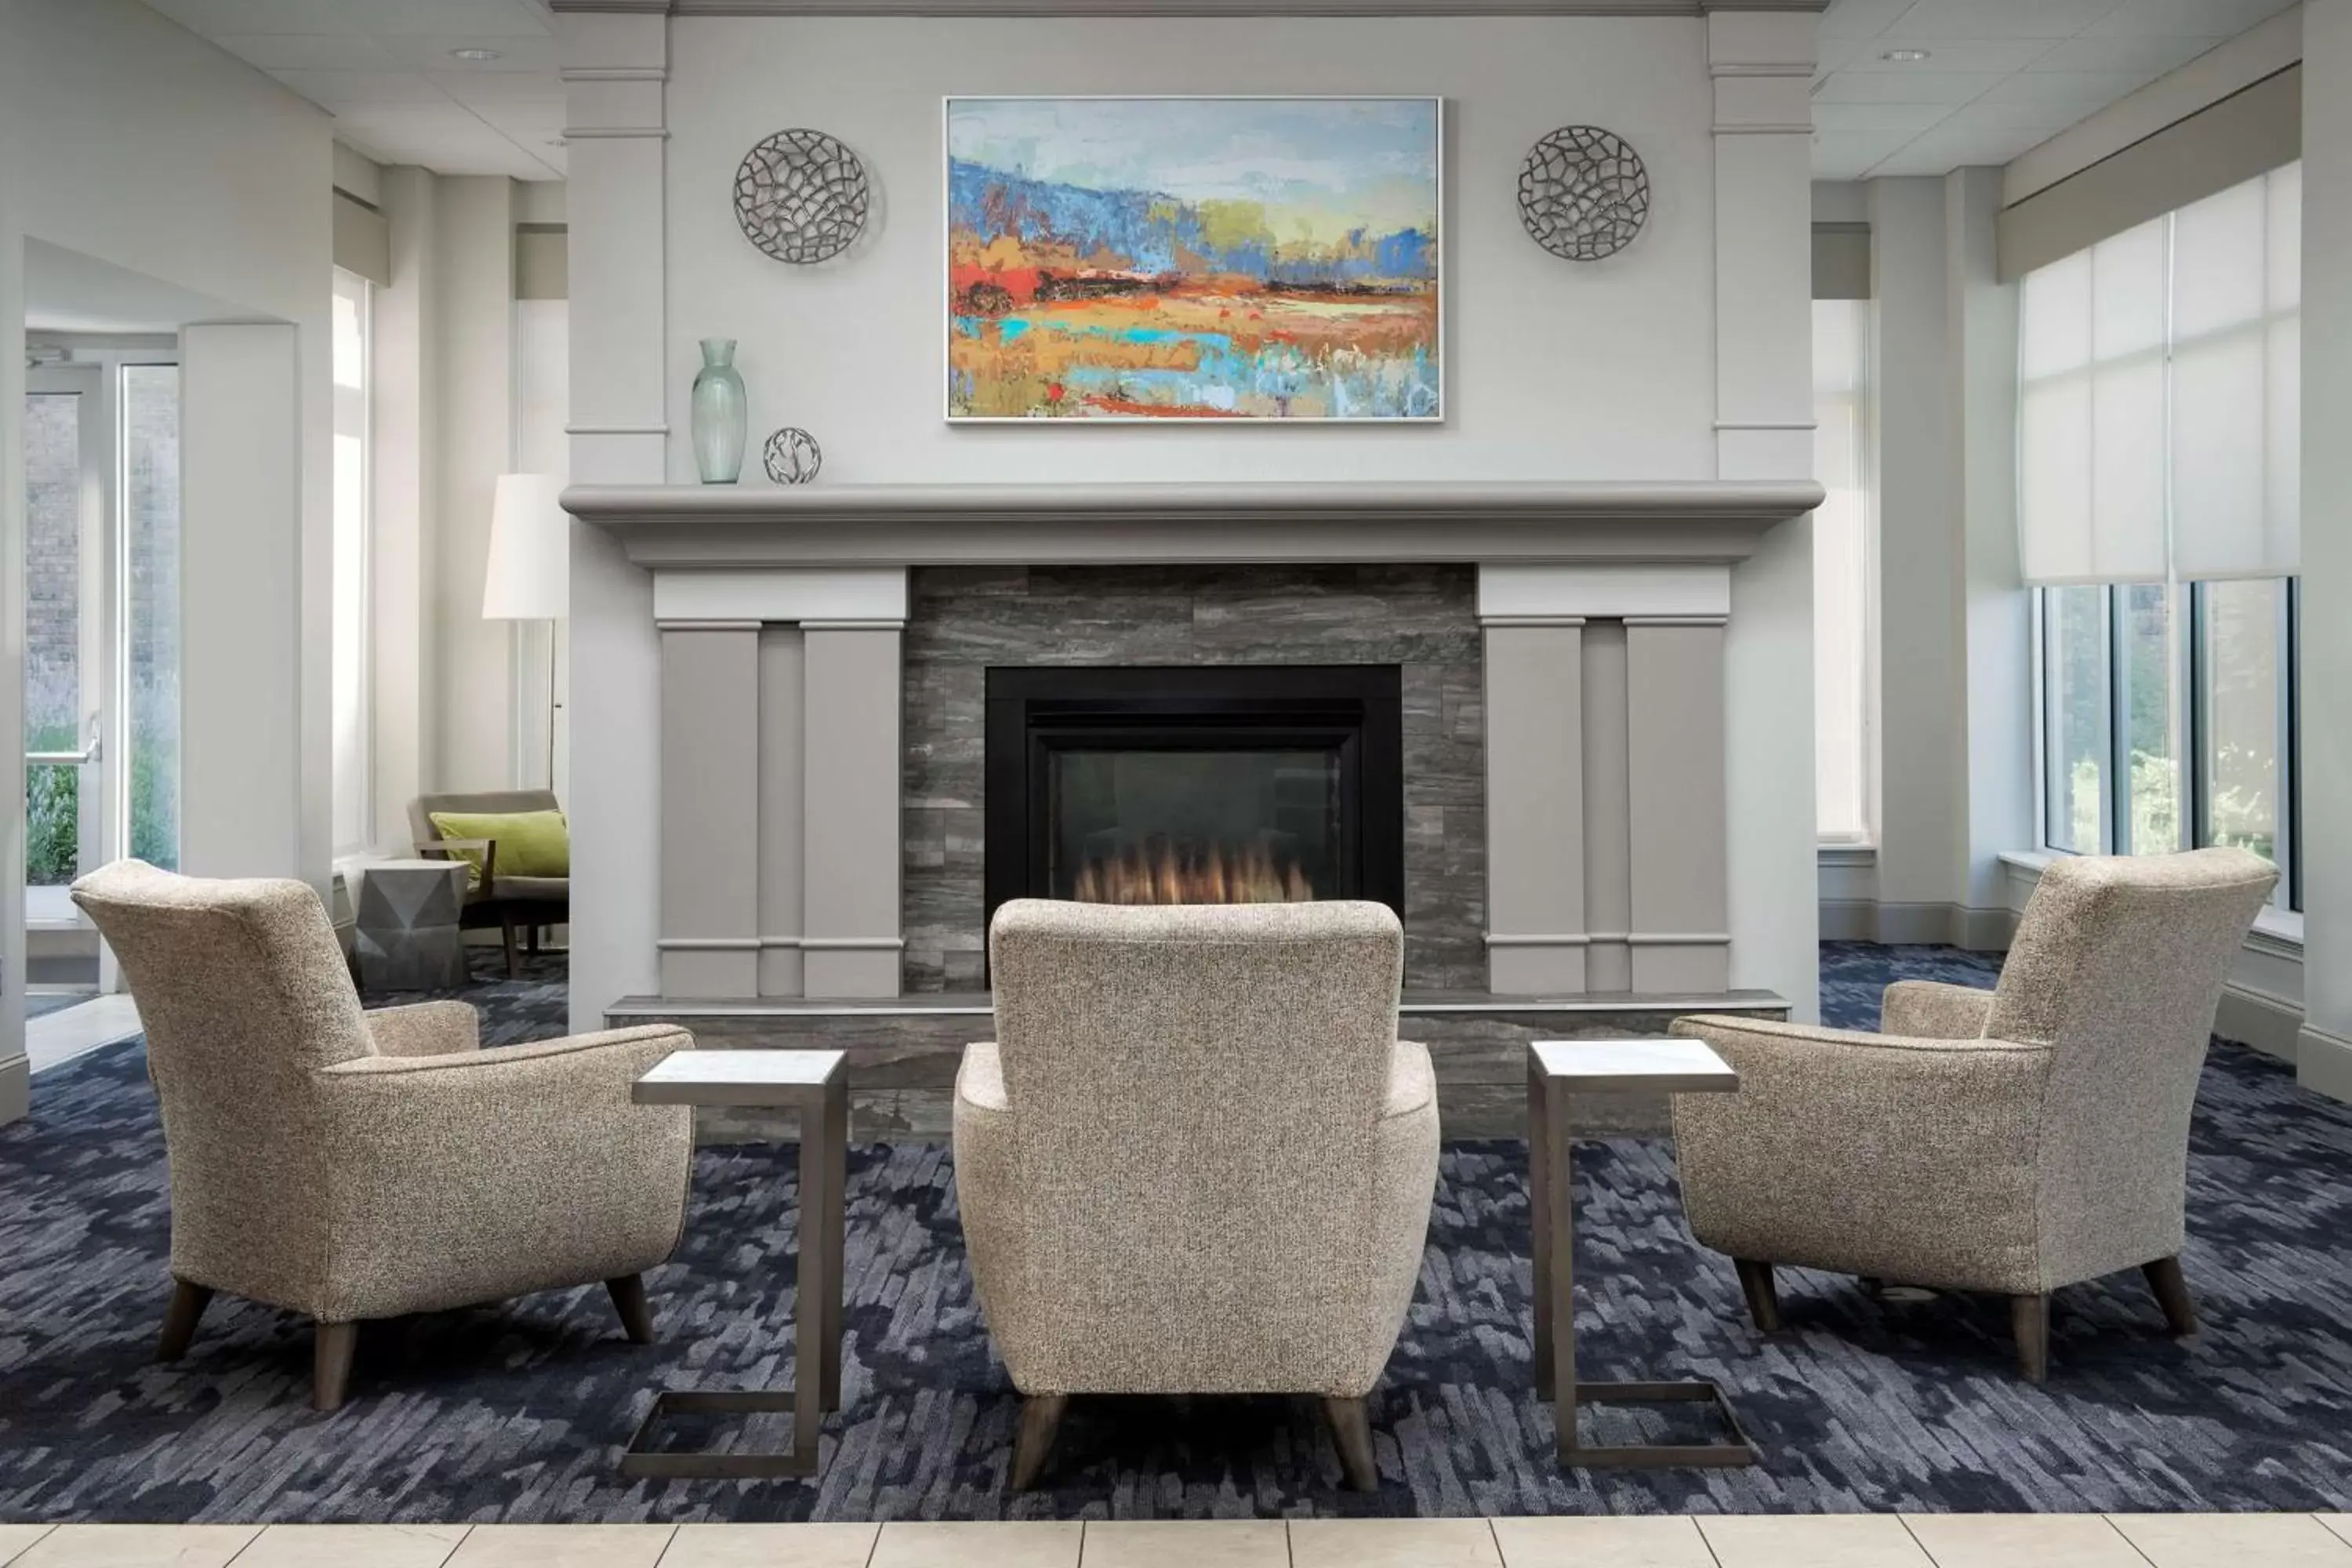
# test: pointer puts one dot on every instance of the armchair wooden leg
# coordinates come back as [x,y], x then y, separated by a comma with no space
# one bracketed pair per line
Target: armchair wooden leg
[1352,1429]
[1041,1419]
[628,1294]
[2164,1278]
[1763,1296]
[180,1318]
[533,943]
[2029,1321]
[507,930]
[331,1362]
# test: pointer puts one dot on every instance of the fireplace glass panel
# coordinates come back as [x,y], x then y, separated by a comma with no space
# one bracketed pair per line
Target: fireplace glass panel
[1144,826]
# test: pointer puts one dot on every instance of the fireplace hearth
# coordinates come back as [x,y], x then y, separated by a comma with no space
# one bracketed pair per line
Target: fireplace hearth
[1194,784]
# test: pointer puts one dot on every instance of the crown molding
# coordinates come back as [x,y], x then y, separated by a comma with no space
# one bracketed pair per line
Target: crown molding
[1143,9]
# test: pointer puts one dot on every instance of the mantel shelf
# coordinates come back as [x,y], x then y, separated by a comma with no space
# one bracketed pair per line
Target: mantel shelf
[720,526]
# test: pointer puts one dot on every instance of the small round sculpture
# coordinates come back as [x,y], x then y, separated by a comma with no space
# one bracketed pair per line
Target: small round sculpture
[792,456]
[801,196]
[1583,192]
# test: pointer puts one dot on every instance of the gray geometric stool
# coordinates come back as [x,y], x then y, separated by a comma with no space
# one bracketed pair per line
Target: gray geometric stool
[407,936]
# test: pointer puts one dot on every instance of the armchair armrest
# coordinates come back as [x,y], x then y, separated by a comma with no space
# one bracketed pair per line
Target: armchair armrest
[473,1176]
[1908,1157]
[425,1029]
[1933,1010]
[486,873]
[980,1080]
[1413,1081]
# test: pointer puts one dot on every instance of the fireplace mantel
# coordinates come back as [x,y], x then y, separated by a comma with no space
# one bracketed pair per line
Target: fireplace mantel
[1619,521]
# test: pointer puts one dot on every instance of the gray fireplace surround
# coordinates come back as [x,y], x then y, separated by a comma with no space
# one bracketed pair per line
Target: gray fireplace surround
[823,656]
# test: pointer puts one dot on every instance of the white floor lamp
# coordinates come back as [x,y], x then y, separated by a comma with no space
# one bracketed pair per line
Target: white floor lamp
[530,574]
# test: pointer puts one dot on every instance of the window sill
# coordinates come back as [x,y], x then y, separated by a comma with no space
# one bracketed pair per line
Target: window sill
[2278,931]
[1835,853]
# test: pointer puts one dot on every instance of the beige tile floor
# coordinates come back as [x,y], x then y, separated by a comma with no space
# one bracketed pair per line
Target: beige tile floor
[1880,1540]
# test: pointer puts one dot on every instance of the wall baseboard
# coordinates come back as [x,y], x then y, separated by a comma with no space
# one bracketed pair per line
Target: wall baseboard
[16,1088]
[2269,1024]
[2323,1063]
[1952,925]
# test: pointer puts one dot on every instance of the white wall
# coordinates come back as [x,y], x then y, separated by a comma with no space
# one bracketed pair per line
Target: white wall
[1601,371]
[2323,1052]
[125,138]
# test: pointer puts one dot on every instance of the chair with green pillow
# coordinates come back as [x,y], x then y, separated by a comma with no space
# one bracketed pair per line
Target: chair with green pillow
[521,853]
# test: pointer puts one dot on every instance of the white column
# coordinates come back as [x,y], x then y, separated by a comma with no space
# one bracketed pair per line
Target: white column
[2323,1051]
[852,945]
[1606,821]
[241,766]
[401,475]
[1675,832]
[470,329]
[1535,803]
[710,709]
[614,67]
[1761,65]
[1923,755]
[1996,614]
[780,761]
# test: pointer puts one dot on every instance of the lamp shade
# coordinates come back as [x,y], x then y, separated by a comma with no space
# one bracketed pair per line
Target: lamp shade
[530,577]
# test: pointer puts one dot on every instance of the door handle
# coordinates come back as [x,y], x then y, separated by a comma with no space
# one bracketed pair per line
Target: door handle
[88,753]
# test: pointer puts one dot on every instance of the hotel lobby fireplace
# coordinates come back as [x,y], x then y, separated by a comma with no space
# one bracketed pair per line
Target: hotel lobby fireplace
[1195,784]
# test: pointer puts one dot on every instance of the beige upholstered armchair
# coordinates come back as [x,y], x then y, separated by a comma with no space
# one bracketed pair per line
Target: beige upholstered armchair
[498,900]
[352,1165]
[1197,1159]
[2014,1140]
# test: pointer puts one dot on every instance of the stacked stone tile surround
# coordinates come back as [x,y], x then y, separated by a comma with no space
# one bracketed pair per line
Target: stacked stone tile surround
[1423,618]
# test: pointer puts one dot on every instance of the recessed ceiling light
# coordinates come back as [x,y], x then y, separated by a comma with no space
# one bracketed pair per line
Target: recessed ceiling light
[1906,57]
[476,57]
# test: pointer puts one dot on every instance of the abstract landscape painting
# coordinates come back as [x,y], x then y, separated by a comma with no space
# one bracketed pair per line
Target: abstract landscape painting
[1162,258]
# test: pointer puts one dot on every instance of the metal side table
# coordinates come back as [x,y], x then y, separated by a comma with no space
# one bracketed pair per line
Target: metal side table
[1557,1071]
[817,1085]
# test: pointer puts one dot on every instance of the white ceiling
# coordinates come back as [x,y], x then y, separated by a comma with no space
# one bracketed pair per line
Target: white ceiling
[2000,76]
[385,70]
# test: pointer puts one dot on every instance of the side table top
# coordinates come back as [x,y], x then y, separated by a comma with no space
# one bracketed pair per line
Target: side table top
[1656,1066]
[371,868]
[778,1077]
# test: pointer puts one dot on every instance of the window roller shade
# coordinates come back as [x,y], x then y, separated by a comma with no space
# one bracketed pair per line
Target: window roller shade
[2159,404]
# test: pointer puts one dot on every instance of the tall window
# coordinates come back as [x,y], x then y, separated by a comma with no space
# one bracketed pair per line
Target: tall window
[353,826]
[151,550]
[2159,413]
[1841,699]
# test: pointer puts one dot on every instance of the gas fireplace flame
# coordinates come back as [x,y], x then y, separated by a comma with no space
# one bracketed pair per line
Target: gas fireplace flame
[1159,870]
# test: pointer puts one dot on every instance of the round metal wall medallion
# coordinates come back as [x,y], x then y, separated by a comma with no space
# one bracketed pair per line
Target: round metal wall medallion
[801,196]
[1583,192]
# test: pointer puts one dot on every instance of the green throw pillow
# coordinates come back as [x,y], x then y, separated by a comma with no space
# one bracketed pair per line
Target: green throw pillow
[531,843]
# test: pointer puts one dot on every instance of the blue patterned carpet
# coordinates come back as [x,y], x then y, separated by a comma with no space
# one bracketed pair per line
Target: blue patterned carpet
[517,1413]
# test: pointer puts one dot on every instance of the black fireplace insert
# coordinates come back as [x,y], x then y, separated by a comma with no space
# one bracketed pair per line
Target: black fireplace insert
[1195,784]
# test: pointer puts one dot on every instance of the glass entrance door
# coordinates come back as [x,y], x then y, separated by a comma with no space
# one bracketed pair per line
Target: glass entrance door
[101,632]
[66,510]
